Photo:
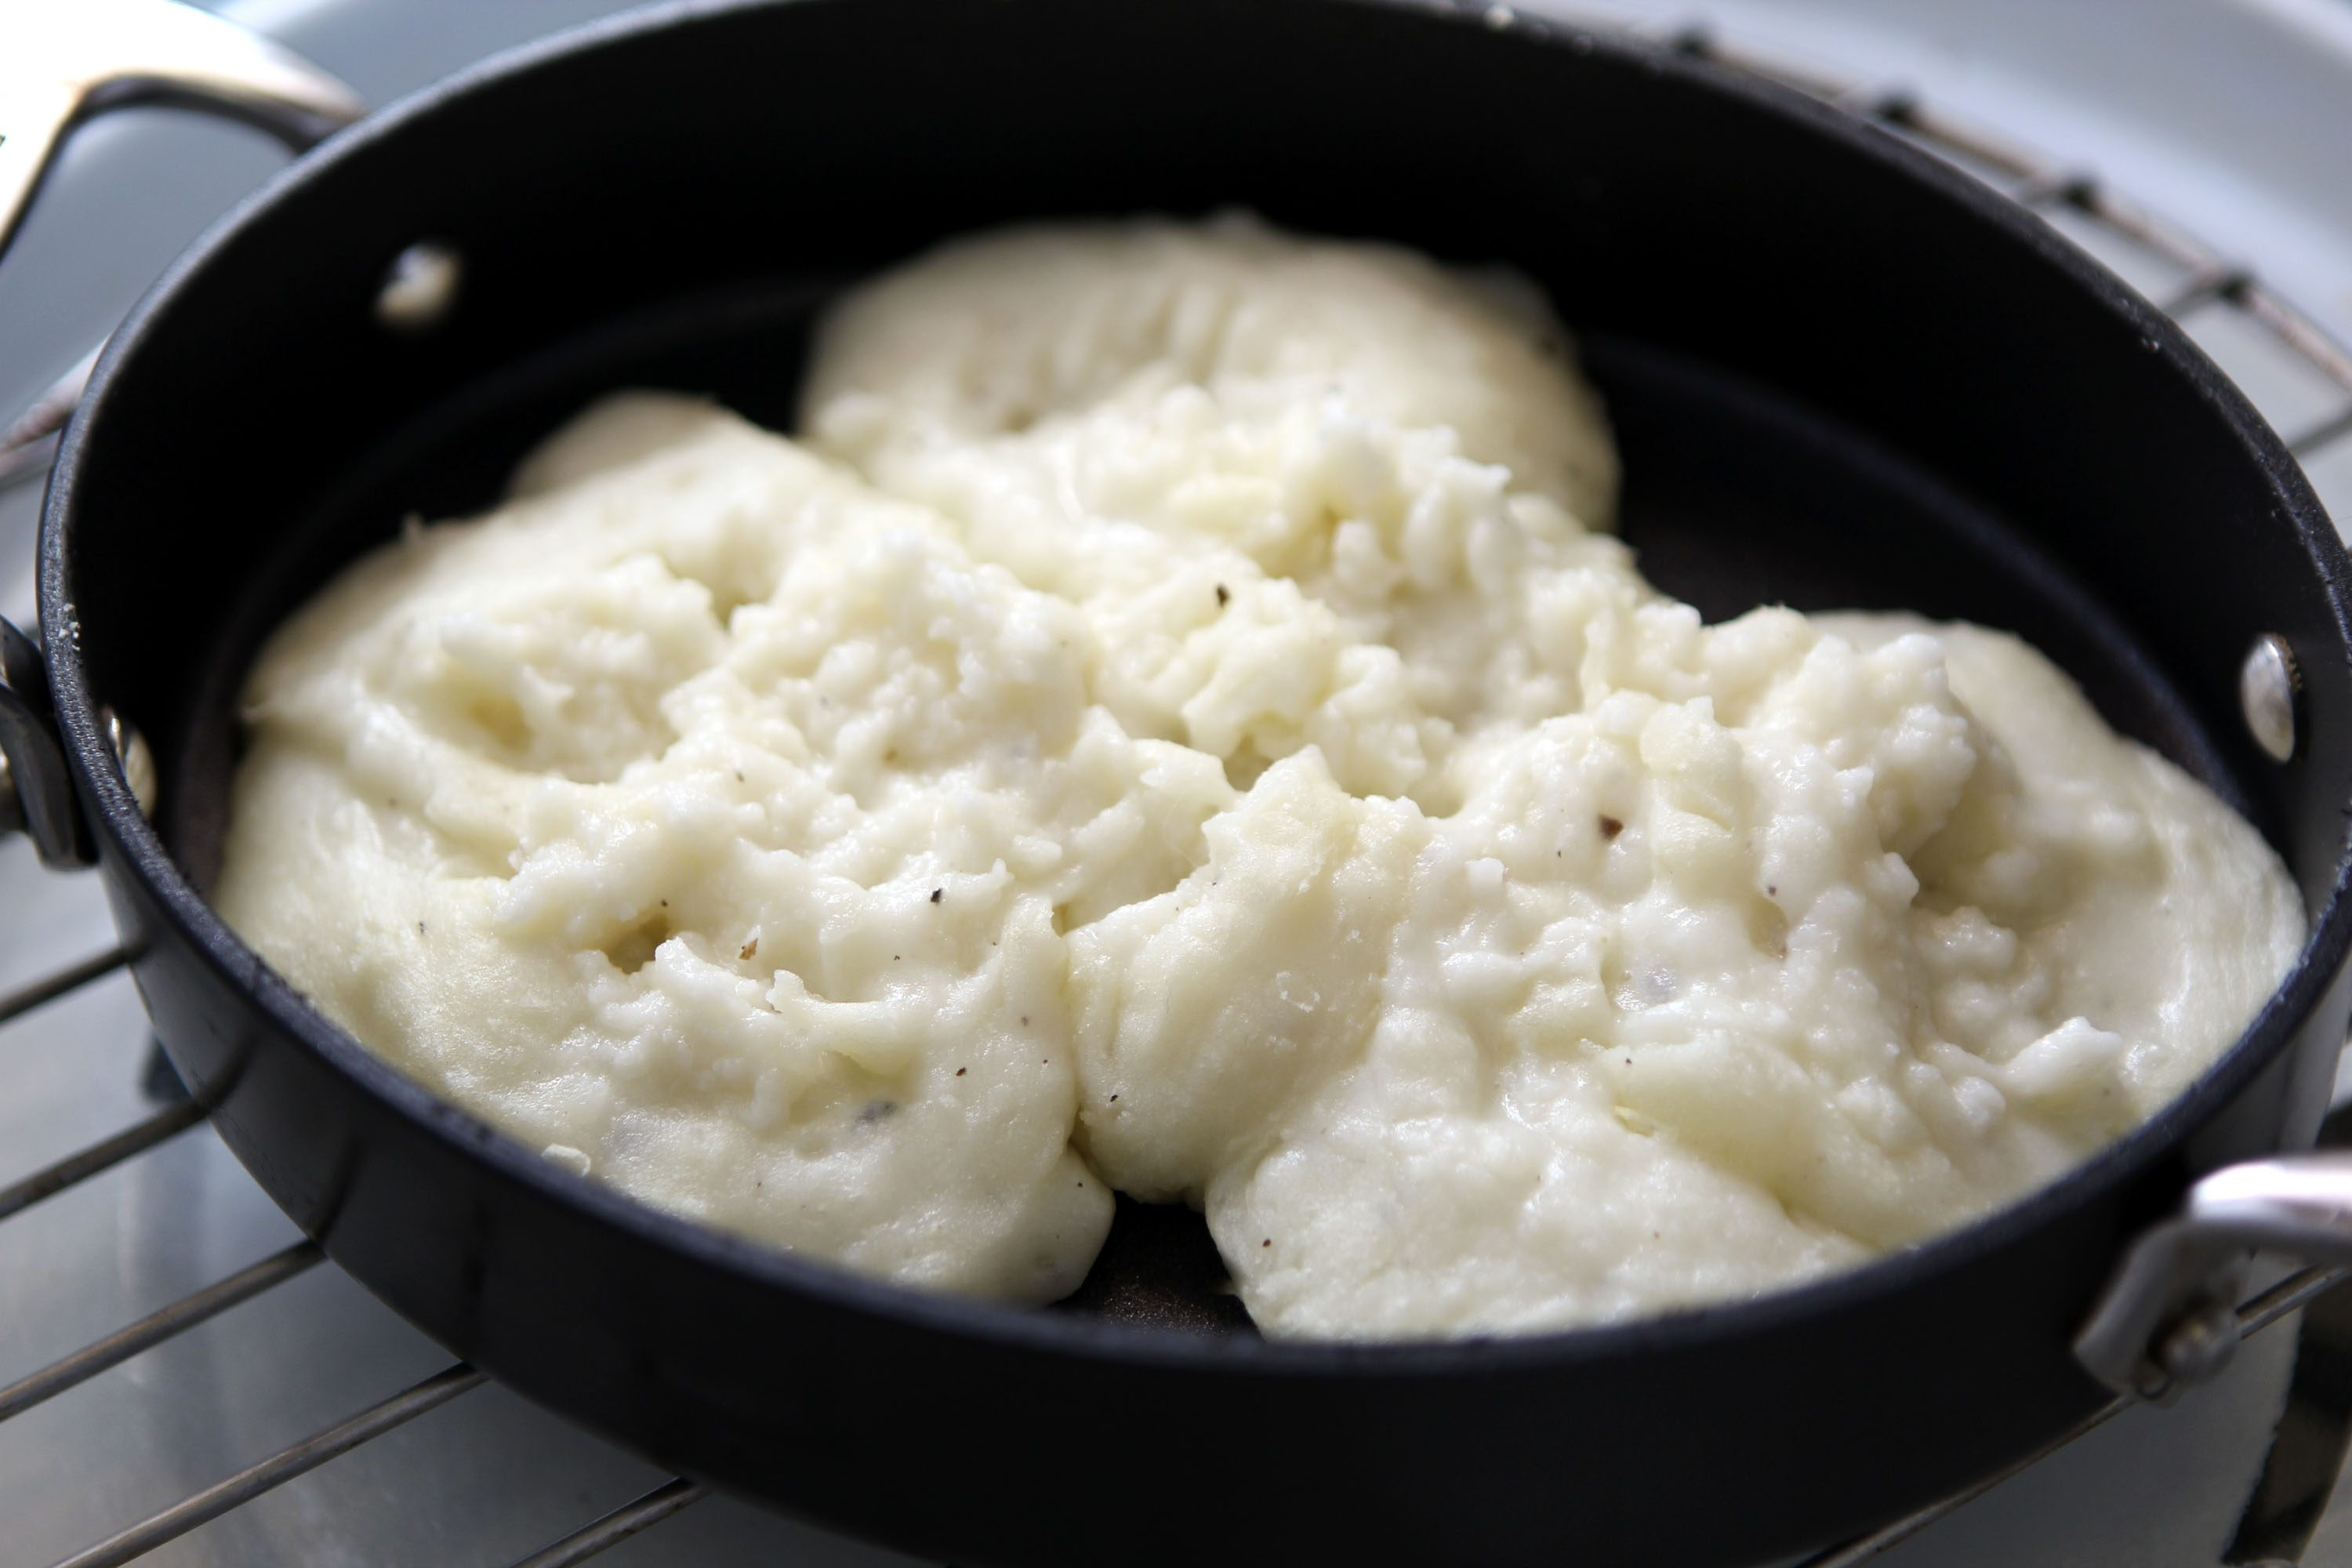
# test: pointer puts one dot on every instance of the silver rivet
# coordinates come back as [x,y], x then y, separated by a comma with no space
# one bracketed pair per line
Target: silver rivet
[138,763]
[2268,686]
[2199,1345]
[11,807]
[420,287]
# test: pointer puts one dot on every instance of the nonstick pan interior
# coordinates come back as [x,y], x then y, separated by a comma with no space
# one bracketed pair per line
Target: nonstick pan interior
[1735,495]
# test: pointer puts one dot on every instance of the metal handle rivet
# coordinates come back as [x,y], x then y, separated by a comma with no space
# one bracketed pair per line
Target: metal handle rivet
[2199,1346]
[138,763]
[12,807]
[2268,686]
[420,288]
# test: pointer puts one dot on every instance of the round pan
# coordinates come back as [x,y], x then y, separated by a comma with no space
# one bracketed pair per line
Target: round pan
[1841,373]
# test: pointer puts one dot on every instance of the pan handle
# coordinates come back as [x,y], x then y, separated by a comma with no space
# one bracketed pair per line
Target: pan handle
[63,64]
[36,793]
[66,63]
[2167,1319]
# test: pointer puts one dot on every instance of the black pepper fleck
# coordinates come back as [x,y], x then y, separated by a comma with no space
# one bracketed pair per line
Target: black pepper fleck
[938,893]
[1267,1242]
[960,1072]
[1771,890]
[1611,827]
[1223,595]
[420,928]
[751,949]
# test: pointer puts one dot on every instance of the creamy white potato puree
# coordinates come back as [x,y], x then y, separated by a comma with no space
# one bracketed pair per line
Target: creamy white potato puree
[1176,722]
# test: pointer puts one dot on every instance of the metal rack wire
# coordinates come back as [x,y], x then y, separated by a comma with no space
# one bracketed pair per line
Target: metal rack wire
[2212,280]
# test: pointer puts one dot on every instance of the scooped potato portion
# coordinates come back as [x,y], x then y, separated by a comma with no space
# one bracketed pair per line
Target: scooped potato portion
[1176,721]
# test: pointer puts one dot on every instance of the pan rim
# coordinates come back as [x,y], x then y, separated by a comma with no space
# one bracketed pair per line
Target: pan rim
[127,834]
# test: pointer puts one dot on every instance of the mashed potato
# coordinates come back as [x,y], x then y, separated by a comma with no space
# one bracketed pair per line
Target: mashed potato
[1176,722]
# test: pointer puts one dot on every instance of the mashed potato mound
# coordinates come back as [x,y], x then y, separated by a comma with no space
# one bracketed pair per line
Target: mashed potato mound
[1176,722]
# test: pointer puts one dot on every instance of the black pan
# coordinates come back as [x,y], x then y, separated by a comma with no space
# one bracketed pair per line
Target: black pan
[1841,375]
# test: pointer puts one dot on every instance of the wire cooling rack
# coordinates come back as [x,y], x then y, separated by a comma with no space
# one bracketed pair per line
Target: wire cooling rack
[2199,286]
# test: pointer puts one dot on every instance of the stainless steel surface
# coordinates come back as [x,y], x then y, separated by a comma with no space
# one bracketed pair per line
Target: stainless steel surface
[29,442]
[24,998]
[631,1519]
[104,1155]
[156,1327]
[66,63]
[2154,1331]
[2269,687]
[162,1238]
[276,1471]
